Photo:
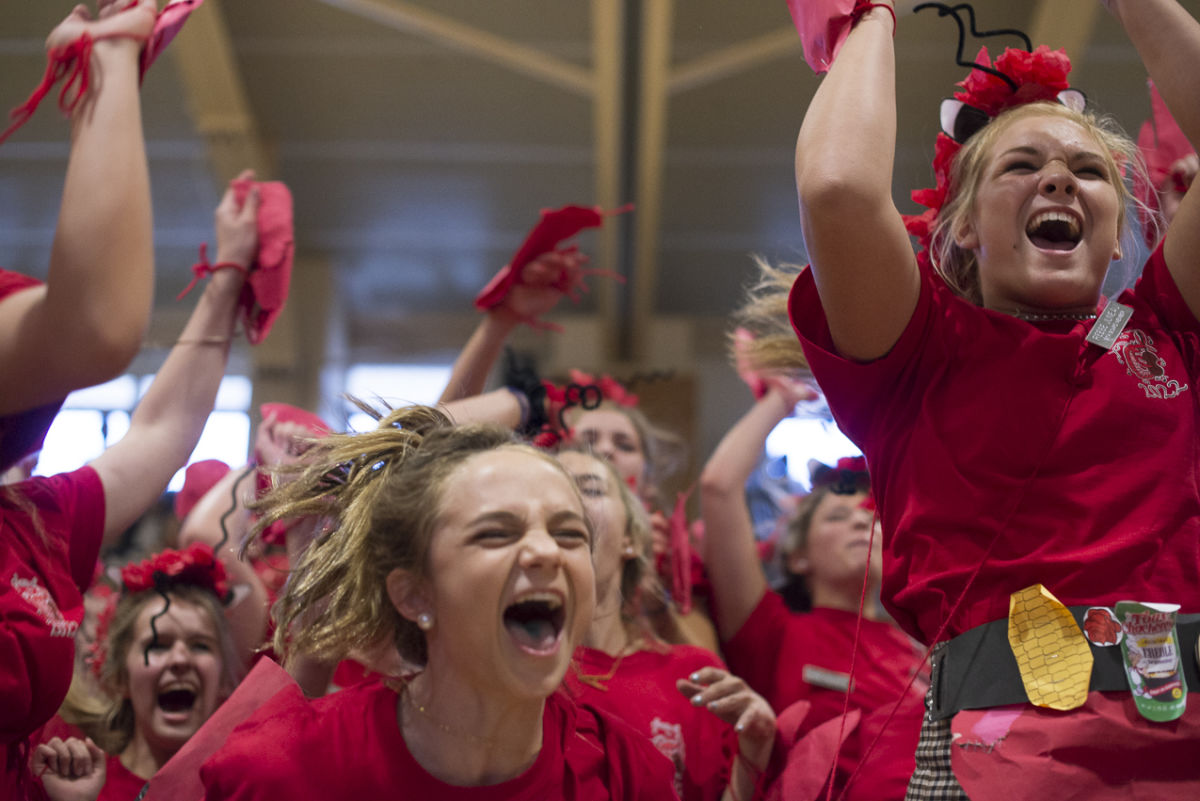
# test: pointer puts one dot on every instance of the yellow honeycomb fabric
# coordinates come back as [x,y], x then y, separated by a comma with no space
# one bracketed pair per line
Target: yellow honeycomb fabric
[1053,655]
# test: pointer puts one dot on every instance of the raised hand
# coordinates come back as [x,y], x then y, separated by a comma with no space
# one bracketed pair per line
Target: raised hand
[71,769]
[732,700]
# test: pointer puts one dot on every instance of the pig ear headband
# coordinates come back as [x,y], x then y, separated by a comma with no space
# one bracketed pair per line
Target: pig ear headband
[1018,77]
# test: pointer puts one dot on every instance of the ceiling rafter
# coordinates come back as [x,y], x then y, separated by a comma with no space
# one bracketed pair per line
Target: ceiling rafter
[411,18]
[217,99]
[736,58]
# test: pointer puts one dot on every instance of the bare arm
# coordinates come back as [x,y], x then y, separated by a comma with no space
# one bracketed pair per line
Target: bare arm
[861,258]
[1167,38]
[534,296]
[730,553]
[167,423]
[213,515]
[478,356]
[86,324]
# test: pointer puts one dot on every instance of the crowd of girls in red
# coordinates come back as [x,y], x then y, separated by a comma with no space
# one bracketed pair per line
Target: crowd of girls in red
[497,599]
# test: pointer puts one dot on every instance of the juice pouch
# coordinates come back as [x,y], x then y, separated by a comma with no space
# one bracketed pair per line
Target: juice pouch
[1151,650]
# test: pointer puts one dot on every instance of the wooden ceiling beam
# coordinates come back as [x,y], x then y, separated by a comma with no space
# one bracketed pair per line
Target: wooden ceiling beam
[413,19]
[729,61]
[216,95]
[653,98]
[608,61]
[1067,24]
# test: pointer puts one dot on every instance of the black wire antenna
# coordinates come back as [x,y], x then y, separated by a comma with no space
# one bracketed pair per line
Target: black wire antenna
[954,11]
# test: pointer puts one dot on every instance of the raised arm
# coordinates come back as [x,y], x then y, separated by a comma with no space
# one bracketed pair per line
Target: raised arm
[730,551]
[214,514]
[861,258]
[1167,38]
[170,418]
[536,294]
[86,323]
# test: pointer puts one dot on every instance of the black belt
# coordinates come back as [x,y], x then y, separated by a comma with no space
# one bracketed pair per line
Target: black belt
[977,669]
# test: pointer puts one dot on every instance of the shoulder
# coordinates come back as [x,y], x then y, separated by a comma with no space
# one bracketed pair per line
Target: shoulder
[599,748]
[271,754]
[62,493]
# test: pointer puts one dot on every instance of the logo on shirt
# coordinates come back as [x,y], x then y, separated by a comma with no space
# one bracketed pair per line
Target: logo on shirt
[668,739]
[1135,350]
[40,599]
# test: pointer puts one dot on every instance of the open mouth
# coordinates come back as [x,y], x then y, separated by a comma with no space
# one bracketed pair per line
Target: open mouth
[1054,230]
[178,700]
[536,621]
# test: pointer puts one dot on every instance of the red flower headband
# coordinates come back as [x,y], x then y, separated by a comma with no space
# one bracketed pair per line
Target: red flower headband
[1039,75]
[194,566]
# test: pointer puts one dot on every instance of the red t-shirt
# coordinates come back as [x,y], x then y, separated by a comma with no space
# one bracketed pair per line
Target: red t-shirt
[22,433]
[641,691]
[788,657]
[41,601]
[349,745]
[119,783]
[1080,463]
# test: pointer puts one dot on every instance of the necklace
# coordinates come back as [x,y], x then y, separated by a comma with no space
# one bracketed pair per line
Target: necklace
[1039,317]
[408,700]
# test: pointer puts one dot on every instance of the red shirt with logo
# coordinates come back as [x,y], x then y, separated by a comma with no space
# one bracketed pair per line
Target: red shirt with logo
[639,688]
[1020,447]
[45,565]
[349,745]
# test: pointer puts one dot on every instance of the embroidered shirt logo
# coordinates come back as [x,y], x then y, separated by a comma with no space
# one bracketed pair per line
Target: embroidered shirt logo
[40,599]
[1135,350]
[668,739]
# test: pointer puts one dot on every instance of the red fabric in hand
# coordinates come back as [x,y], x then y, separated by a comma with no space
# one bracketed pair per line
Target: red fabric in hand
[554,226]
[169,21]
[823,26]
[266,288]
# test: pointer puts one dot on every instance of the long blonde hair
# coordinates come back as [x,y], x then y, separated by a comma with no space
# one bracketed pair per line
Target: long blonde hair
[379,494]
[764,314]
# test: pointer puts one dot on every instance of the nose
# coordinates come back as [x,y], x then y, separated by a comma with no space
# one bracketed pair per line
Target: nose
[1056,179]
[179,657]
[539,549]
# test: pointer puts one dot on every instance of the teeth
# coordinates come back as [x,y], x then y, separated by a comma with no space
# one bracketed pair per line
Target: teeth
[549,598]
[179,686]
[1053,216]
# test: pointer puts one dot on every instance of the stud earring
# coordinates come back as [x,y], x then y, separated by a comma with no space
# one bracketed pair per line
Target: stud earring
[424,621]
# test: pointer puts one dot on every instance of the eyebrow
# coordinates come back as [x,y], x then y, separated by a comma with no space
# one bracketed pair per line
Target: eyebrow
[1029,150]
[512,519]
